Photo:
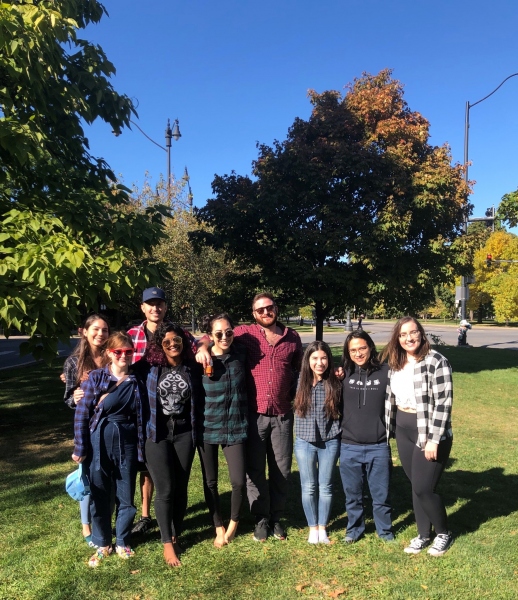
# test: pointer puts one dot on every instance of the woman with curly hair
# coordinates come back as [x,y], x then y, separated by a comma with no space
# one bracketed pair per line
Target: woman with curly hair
[317,431]
[420,399]
[172,393]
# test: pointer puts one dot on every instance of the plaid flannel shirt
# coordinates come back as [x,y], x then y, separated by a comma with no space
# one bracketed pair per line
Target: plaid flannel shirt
[223,414]
[138,335]
[272,368]
[433,387]
[70,372]
[316,426]
[87,414]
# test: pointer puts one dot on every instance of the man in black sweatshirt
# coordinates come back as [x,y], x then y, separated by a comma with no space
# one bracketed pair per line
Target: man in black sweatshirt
[364,450]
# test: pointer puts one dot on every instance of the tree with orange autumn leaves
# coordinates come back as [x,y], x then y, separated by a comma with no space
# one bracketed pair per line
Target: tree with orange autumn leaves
[354,204]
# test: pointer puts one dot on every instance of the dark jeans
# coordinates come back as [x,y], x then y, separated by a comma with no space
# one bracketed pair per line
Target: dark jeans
[169,464]
[424,475]
[235,456]
[114,447]
[270,440]
[374,461]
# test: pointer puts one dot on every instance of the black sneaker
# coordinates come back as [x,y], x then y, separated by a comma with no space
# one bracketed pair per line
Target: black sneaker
[441,544]
[142,526]
[279,533]
[261,531]
[417,544]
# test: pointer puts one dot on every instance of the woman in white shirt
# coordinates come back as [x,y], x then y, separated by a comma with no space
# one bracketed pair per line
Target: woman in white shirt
[420,399]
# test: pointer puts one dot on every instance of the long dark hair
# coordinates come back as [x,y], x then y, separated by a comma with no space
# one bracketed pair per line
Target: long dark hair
[207,321]
[85,359]
[155,354]
[332,385]
[396,354]
[347,362]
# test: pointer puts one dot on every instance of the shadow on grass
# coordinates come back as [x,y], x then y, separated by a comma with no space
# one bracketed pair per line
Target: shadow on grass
[475,360]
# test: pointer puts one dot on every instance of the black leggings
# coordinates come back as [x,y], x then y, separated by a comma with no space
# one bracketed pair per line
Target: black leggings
[424,475]
[169,464]
[235,456]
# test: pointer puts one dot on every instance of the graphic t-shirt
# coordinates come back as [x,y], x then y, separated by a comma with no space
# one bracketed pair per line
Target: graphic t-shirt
[174,392]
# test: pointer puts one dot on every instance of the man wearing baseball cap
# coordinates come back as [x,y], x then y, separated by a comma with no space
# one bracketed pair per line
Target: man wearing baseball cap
[154,307]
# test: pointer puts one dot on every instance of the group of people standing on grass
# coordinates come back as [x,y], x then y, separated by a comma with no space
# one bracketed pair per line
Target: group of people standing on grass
[148,399]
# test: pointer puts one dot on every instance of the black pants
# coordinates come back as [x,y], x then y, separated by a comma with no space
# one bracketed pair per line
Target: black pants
[424,475]
[235,457]
[169,464]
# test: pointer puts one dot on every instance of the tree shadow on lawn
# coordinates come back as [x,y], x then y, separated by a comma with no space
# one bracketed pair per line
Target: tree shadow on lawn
[475,360]
[487,495]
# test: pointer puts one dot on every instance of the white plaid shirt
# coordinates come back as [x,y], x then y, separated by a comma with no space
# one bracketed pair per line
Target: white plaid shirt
[433,387]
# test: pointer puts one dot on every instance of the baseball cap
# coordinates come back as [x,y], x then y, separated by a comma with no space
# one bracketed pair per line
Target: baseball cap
[153,293]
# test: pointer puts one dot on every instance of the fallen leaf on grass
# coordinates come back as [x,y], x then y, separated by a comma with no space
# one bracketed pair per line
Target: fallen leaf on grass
[134,573]
[301,586]
[425,587]
[336,593]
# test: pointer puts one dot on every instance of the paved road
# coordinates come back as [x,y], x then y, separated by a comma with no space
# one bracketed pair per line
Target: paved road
[10,353]
[480,336]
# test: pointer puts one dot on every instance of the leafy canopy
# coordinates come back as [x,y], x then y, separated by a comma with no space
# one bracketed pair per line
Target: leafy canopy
[354,204]
[64,231]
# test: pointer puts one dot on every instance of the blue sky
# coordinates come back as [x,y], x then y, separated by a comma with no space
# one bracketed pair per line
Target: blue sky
[236,72]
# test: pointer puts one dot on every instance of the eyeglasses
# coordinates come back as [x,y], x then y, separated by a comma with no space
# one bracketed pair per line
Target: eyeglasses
[410,334]
[219,335]
[175,341]
[120,351]
[358,350]
[265,309]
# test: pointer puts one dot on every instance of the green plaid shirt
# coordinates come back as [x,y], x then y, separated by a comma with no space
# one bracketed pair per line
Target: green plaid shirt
[224,410]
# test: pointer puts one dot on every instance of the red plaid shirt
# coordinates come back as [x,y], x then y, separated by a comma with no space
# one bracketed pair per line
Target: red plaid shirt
[272,368]
[138,335]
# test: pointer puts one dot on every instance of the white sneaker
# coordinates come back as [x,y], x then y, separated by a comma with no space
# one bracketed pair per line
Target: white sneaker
[441,544]
[417,544]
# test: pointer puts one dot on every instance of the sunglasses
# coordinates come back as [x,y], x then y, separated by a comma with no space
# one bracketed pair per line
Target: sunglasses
[265,309]
[175,341]
[120,351]
[219,335]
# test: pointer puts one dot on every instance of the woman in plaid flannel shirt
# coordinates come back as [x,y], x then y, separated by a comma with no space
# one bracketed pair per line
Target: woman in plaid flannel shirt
[317,431]
[419,400]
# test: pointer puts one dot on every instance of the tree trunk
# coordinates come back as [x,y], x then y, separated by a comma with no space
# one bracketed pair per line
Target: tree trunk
[319,321]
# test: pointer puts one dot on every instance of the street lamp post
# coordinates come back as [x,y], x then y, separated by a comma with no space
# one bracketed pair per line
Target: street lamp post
[466,159]
[169,135]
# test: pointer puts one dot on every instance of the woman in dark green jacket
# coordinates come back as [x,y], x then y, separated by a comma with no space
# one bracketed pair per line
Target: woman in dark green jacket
[223,421]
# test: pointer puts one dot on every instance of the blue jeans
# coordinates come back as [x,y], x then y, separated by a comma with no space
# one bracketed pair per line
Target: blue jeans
[117,466]
[316,461]
[374,461]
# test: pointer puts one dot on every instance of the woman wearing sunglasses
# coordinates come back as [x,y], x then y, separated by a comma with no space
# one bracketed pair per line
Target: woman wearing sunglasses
[223,421]
[420,398]
[172,394]
[109,436]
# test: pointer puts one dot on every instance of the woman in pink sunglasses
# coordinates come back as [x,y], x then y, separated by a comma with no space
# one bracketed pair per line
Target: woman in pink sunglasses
[109,439]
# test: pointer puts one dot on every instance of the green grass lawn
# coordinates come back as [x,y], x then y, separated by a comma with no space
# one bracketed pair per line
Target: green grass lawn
[43,555]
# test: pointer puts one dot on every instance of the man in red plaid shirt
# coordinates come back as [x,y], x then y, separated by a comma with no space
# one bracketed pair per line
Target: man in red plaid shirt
[274,356]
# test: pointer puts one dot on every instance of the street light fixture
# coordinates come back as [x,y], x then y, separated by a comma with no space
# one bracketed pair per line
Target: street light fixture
[169,135]
[466,159]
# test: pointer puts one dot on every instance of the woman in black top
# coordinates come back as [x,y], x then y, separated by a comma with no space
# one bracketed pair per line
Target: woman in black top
[170,433]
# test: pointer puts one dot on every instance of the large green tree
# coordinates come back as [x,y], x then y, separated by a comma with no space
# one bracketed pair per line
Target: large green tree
[354,203]
[65,233]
